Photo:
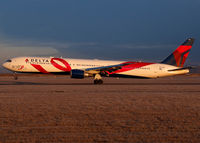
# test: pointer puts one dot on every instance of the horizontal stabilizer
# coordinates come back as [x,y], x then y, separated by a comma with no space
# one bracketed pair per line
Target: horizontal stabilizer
[181,69]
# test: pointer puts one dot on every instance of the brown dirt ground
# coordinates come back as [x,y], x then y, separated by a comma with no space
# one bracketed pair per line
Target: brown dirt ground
[60,109]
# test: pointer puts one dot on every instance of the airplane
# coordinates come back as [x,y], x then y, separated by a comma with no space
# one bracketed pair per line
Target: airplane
[81,68]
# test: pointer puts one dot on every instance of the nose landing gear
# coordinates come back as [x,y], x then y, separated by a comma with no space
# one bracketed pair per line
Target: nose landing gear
[15,76]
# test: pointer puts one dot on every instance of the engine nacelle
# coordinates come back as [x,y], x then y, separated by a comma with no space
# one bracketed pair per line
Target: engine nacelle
[78,74]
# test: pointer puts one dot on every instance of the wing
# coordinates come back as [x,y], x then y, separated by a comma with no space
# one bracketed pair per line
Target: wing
[104,70]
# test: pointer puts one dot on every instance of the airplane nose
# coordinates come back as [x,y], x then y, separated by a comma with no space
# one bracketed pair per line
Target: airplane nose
[5,65]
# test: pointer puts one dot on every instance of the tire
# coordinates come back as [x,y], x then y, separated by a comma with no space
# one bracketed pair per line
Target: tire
[98,81]
[95,81]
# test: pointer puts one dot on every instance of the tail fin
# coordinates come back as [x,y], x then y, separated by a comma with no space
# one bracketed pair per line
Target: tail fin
[179,56]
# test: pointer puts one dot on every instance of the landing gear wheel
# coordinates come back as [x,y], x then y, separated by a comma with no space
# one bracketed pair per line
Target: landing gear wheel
[15,76]
[98,81]
[95,81]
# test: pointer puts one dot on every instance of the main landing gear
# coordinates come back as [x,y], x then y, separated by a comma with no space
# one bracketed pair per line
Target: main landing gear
[98,79]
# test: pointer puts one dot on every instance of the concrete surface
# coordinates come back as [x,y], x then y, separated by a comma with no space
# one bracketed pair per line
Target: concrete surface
[59,109]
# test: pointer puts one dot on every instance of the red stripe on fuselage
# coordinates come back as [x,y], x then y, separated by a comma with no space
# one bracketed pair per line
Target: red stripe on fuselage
[131,66]
[39,68]
[67,67]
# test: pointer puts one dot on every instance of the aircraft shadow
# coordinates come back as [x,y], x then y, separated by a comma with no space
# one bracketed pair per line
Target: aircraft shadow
[114,83]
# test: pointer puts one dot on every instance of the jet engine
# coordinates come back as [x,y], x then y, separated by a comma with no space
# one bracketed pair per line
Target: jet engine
[76,73]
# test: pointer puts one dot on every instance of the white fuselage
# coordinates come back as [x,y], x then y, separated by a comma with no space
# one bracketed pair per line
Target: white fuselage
[60,65]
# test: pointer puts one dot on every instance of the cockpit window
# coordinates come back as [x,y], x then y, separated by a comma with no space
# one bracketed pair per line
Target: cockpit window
[9,61]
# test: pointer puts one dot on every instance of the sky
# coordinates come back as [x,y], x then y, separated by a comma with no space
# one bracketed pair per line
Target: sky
[145,30]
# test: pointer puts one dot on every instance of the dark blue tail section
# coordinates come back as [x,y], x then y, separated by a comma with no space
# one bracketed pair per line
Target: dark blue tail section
[179,56]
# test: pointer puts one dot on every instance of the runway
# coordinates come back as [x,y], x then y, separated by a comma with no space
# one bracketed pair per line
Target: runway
[60,109]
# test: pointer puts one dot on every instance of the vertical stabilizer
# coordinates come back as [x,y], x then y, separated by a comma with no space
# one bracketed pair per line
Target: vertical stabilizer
[179,56]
